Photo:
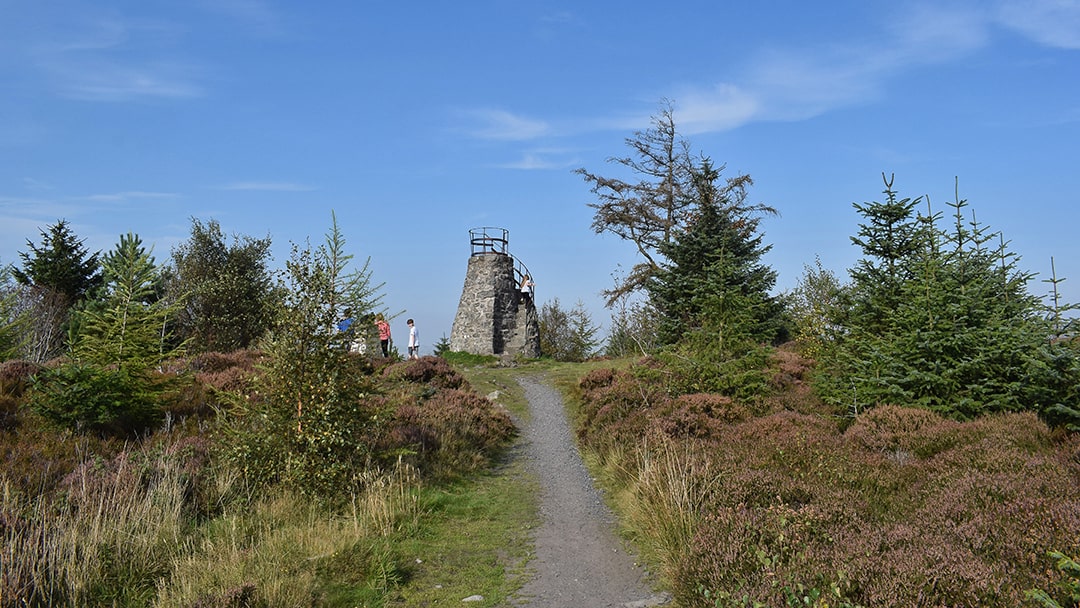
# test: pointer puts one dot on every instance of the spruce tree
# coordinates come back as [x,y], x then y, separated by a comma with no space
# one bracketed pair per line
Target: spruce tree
[713,298]
[61,264]
[116,344]
[59,275]
[128,328]
[943,319]
[715,279]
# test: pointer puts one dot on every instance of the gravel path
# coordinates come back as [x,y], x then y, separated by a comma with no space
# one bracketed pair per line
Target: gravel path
[579,561]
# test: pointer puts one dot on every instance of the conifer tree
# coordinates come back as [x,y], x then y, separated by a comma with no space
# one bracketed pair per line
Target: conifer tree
[658,202]
[59,275]
[714,278]
[566,335]
[129,327]
[12,320]
[61,264]
[116,342]
[310,429]
[943,319]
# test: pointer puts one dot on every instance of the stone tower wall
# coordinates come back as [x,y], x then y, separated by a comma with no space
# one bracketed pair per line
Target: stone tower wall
[491,319]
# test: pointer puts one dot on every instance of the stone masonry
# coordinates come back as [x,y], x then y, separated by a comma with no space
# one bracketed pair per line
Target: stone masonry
[491,317]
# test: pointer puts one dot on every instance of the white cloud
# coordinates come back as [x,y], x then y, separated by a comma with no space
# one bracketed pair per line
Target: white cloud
[90,78]
[252,14]
[1054,23]
[35,184]
[503,125]
[268,186]
[719,108]
[796,84]
[927,34]
[541,159]
[101,56]
[120,197]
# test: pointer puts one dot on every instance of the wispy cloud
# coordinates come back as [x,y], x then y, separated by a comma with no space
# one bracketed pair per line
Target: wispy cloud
[104,81]
[503,125]
[268,186]
[128,196]
[720,108]
[254,15]
[1053,23]
[32,184]
[36,207]
[796,84]
[102,56]
[547,158]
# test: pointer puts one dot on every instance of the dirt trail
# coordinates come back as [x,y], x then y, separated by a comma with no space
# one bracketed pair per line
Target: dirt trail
[579,561]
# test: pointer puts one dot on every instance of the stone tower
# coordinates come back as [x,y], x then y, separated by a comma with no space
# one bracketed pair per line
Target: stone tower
[493,318]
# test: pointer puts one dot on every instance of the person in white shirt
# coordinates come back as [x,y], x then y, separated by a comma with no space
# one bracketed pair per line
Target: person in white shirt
[527,286]
[414,340]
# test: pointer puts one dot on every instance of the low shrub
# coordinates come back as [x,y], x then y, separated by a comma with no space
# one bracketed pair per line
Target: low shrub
[452,433]
[796,508]
[902,430]
[232,373]
[15,376]
[105,401]
[698,415]
[36,458]
[616,407]
[9,413]
[432,371]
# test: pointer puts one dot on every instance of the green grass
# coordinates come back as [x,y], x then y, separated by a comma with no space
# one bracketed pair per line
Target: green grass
[475,539]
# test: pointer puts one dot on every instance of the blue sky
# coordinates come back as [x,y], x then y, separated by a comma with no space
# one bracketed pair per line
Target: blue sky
[415,122]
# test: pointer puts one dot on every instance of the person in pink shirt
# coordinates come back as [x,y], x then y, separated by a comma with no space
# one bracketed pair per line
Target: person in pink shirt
[384,334]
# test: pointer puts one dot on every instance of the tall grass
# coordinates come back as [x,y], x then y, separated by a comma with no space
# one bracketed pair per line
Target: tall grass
[103,541]
[668,488]
[124,533]
[278,546]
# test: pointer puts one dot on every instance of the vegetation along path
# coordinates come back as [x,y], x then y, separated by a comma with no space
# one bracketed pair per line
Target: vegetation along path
[578,559]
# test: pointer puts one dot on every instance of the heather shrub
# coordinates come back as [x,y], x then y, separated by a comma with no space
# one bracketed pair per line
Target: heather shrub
[800,510]
[743,556]
[15,377]
[615,407]
[598,378]
[456,432]
[433,371]
[233,372]
[182,462]
[36,459]
[903,431]
[699,415]
[901,507]
[790,382]
[407,436]
[9,413]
